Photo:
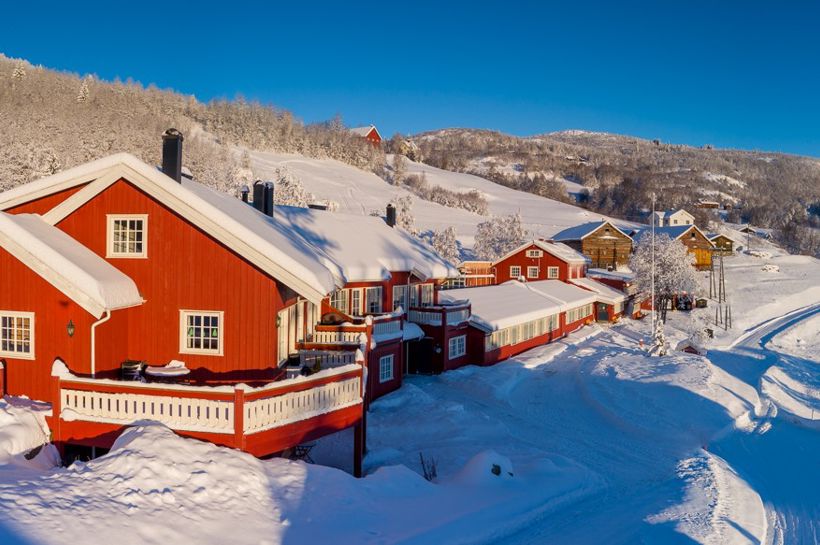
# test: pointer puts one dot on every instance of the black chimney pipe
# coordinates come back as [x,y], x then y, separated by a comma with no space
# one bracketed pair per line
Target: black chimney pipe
[243,192]
[263,197]
[391,215]
[172,154]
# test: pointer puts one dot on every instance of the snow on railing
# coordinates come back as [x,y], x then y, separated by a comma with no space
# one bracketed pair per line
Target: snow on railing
[130,405]
[387,327]
[278,410]
[458,316]
[337,336]
[326,358]
[425,317]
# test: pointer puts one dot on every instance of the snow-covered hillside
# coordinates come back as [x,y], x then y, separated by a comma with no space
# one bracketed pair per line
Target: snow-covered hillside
[361,192]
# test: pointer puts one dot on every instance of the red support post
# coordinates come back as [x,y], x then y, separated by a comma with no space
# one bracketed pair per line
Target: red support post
[239,418]
[56,409]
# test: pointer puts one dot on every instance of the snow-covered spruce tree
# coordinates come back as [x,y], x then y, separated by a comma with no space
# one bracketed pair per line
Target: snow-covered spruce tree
[288,189]
[399,169]
[674,269]
[404,214]
[659,346]
[446,244]
[498,235]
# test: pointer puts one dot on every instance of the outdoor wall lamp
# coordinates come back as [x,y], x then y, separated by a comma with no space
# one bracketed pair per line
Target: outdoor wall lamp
[70,328]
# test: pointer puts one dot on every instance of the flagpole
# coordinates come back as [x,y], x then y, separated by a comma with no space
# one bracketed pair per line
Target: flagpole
[653,262]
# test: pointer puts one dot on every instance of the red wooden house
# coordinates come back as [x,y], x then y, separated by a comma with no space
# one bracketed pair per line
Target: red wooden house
[115,261]
[509,318]
[369,133]
[540,260]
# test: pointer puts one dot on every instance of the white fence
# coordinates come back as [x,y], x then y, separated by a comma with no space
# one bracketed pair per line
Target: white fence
[386,327]
[326,358]
[179,413]
[263,414]
[425,317]
[458,316]
[337,337]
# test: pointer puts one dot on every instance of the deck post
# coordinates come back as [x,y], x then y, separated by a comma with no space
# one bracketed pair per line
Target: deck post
[56,409]
[239,418]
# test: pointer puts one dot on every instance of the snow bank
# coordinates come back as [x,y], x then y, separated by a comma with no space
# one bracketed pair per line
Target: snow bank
[22,428]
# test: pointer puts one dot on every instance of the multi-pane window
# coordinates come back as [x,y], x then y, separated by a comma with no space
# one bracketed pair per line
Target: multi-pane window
[552,272]
[515,271]
[201,332]
[386,368]
[339,300]
[532,272]
[400,298]
[127,235]
[374,299]
[534,253]
[17,334]
[355,302]
[426,295]
[457,346]
[414,295]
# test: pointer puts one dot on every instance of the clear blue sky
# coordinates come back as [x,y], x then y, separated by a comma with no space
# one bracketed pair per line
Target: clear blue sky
[728,73]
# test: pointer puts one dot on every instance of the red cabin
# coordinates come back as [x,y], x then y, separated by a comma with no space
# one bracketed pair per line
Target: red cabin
[540,260]
[369,133]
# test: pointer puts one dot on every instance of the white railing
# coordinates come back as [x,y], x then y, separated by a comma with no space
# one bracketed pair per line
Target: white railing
[336,337]
[270,412]
[326,358]
[458,316]
[386,327]
[425,317]
[179,413]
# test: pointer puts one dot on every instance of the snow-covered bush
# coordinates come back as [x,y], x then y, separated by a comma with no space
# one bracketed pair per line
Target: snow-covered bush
[498,236]
[288,189]
[674,269]
[446,244]
[404,214]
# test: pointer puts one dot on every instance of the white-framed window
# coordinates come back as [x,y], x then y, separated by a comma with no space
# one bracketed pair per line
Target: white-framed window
[17,334]
[373,300]
[401,298]
[355,302]
[386,368]
[457,347]
[552,272]
[127,235]
[535,253]
[414,295]
[515,271]
[339,300]
[532,272]
[200,332]
[427,291]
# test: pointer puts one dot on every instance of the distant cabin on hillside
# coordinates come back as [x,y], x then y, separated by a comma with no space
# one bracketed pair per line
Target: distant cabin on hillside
[723,244]
[604,244]
[369,133]
[693,238]
[707,205]
[671,218]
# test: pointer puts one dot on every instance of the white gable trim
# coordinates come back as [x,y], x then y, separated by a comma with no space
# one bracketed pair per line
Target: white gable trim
[696,228]
[164,190]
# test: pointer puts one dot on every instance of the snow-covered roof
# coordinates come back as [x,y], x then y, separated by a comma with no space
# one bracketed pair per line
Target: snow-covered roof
[76,271]
[605,294]
[566,296]
[584,230]
[364,131]
[256,237]
[360,248]
[557,249]
[713,236]
[501,306]
[672,231]
[669,213]
[625,276]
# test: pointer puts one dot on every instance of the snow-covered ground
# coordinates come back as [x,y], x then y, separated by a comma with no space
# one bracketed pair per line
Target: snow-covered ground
[593,442]
[361,192]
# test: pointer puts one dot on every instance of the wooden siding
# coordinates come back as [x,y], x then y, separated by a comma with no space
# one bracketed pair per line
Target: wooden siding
[546,260]
[605,248]
[699,246]
[186,269]
[44,204]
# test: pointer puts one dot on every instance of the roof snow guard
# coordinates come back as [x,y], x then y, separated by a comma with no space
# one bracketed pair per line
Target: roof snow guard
[76,271]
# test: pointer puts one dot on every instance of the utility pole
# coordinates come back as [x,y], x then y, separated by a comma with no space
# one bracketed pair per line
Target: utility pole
[654,310]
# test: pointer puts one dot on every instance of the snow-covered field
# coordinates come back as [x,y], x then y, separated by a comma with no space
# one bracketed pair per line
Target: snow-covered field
[594,442]
[361,192]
